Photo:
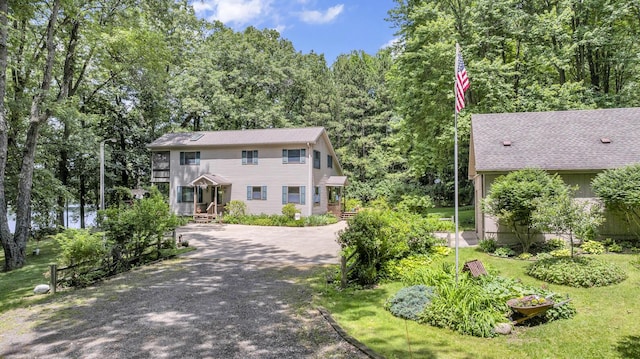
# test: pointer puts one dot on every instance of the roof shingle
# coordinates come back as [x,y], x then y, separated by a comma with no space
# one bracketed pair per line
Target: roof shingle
[556,140]
[239,137]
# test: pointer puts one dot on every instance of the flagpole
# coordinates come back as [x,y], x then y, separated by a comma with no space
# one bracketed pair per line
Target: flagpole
[455,159]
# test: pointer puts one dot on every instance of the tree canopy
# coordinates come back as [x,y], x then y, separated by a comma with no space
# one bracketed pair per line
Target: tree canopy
[74,74]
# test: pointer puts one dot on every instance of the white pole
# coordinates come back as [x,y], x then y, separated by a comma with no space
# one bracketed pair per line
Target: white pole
[455,160]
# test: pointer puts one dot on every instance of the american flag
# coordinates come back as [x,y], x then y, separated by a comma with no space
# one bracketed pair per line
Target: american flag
[462,81]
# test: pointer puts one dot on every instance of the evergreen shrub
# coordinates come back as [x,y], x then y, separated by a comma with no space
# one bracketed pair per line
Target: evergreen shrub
[409,302]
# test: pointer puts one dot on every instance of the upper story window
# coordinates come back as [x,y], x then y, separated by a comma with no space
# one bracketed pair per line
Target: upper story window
[329,161]
[190,158]
[316,159]
[294,156]
[250,157]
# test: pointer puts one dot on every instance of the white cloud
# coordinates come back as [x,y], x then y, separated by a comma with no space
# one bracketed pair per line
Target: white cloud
[239,12]
[318,17]
[390,43]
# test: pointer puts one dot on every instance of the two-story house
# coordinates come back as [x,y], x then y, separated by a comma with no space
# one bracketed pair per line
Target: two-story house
[265,168]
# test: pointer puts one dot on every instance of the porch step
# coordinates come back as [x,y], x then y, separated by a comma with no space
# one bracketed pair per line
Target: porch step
[203,218]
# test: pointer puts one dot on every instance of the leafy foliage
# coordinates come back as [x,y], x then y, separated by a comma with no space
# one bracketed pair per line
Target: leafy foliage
[593,247]
[504,252]
[577,272]
[488,245]
[236,208]
[289,210]
[375,237]
[409,302]
[515,197]
[281,220]
[619,189]
[464,307]
[80,246]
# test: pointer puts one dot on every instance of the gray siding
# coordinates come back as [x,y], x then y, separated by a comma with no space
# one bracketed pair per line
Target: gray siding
[270,172]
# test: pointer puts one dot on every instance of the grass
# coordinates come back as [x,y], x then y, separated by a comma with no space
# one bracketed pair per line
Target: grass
[604,327]
[467,216]
[16,287]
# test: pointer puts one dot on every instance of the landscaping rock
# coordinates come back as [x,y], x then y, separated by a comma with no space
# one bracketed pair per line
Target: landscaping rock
[41,289]
[503,328]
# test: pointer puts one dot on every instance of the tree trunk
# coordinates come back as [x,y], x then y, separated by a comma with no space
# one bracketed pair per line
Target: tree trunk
[36,117]
[10,249]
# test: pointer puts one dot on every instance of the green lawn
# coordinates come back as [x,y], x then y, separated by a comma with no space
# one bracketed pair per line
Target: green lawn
[604,327]
[16,287]
[467,215]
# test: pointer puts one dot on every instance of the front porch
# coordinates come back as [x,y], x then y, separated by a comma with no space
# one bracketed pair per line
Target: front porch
[210,197]
[336,199]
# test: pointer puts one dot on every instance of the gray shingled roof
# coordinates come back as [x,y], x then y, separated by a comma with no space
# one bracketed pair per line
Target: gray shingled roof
[241,137]
[557,140]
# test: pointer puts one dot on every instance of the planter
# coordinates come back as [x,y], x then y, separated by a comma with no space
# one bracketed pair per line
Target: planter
[529,306]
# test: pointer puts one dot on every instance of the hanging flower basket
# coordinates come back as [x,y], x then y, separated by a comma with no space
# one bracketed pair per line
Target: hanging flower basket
[530,305]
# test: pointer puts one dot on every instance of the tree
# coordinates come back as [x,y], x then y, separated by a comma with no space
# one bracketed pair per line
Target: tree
[619,189]
[513,199]
[15,246]
[563,214]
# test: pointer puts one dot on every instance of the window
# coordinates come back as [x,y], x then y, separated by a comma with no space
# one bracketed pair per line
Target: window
[185,194]
[329,161]
[316,159]
[250,157]
[294,156]
[316,196]
[256,193]
[190,158]
[293,195]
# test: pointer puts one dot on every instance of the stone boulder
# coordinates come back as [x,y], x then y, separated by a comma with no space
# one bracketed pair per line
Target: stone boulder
[41,289]
[503,328]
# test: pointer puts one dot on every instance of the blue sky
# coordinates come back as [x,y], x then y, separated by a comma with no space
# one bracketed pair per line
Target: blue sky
[328,27]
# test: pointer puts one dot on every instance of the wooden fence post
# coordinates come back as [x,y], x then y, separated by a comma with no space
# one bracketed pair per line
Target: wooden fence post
[343,271]
[53,271]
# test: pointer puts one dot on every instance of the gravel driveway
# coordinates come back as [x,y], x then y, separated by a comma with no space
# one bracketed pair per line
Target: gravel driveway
[238,296]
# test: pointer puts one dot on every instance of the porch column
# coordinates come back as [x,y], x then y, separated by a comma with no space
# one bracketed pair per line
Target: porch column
[215,200]
[195,200]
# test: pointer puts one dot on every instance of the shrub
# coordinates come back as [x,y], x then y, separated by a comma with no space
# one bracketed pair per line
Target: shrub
[439,225]
[80,246]
[409,302]
[593,247]
[514,198]
[399,269]
[415,204]
[525,256]
[556,243]
[488,245]
[577,272]
[561,253]
[375,237]
[320,220]
[441,250]
[504,252]
[614,248]
[236,208]
[289,210]
[620,191]
[463,307]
